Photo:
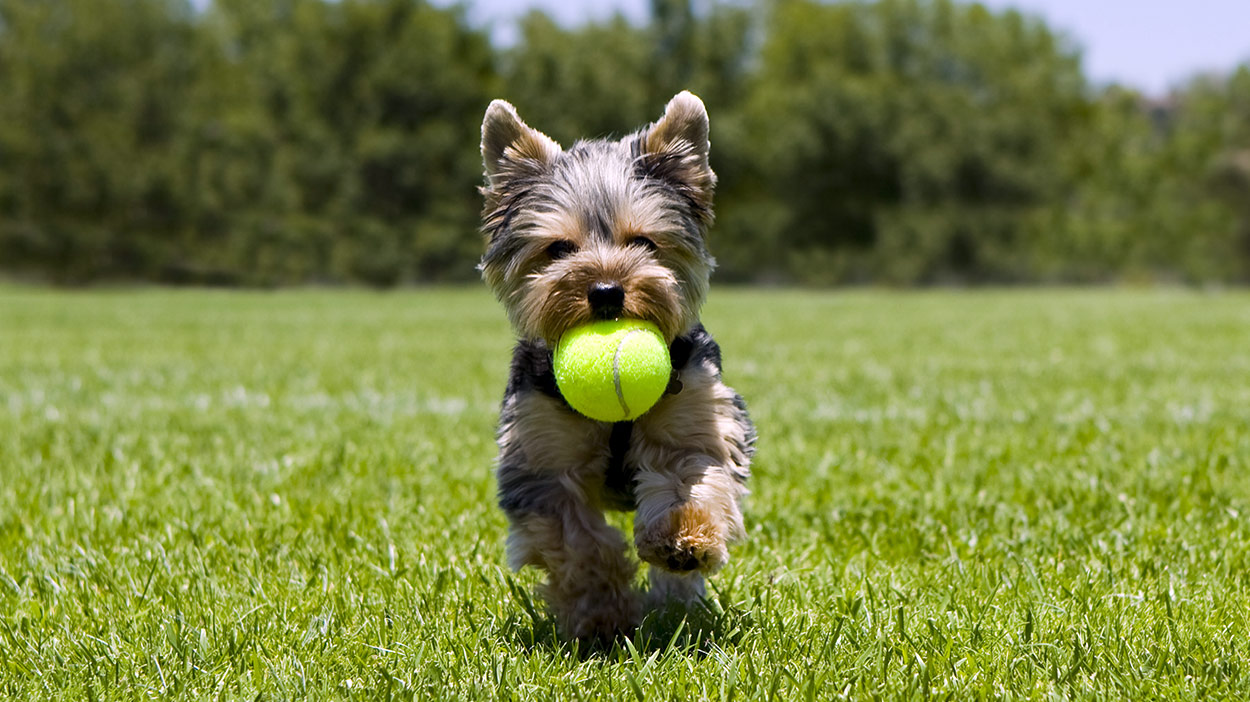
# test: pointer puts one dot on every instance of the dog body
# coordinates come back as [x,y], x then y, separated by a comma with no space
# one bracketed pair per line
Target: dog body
[611,229]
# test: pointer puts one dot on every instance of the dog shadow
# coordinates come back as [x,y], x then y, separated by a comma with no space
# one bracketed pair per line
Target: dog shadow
[693,630]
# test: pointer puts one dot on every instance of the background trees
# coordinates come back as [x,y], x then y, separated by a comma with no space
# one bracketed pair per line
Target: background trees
[900,141]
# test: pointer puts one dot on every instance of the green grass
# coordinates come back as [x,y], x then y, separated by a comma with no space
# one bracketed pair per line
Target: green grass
[956,495]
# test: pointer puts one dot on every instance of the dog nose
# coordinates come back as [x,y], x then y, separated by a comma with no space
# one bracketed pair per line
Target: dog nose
[606,299]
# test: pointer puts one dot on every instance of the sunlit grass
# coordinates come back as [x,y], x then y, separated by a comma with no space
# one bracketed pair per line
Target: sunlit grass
[958,494]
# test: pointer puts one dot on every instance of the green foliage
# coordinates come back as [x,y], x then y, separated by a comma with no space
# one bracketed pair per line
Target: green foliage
[898,141]
[906,140]
[572,84]
[94,104]
[359,161]
[989,495]
[259,143]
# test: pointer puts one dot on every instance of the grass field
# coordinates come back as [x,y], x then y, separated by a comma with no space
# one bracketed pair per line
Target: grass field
[957,495]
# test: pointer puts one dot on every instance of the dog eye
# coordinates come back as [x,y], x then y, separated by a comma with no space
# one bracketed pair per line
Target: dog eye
[643,242]
[560,249]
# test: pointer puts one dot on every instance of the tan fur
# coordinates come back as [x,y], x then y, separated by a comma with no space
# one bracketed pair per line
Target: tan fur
[554,440]
[546,298]
[682,133]
[511,147]
[590,583]
[687,450]
[684,125]
[590,579]
[667,588]
[555,300]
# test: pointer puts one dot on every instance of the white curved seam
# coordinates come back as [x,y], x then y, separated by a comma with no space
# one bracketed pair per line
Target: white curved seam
[616,371]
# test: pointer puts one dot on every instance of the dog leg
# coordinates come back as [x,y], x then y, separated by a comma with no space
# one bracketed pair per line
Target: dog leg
[693,451]
[590,579]
[687,515]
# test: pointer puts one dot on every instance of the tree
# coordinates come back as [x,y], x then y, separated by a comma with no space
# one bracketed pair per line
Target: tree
[908,141]
[94,101]
[360,110]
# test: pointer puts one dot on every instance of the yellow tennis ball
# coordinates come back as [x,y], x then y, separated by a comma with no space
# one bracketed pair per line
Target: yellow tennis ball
[613,370]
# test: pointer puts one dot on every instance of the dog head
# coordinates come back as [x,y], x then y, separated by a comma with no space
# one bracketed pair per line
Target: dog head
[605,229]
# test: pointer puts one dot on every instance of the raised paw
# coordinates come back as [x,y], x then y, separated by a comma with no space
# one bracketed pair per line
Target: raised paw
[685,539]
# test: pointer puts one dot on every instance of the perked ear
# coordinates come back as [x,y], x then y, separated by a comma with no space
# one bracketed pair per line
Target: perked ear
[677,147]
[684,125]
[509,146]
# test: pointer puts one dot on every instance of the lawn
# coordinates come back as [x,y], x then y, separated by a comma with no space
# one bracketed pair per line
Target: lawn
[956,495]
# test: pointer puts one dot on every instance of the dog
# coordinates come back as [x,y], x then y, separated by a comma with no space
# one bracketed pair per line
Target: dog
[611,229]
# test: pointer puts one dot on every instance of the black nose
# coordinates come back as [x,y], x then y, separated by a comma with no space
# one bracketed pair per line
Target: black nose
[606,299]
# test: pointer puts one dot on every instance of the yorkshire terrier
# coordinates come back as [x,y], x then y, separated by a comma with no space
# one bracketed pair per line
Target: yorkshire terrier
[604,230]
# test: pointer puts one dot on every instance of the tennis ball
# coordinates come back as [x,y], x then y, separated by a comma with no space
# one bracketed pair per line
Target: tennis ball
[613,370]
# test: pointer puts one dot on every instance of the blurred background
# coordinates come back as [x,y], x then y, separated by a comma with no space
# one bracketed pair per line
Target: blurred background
[900,142]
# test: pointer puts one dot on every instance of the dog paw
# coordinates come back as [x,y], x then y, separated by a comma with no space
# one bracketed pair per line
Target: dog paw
[685,540]
[670,589]
[602,622]
[599,630]
[598,615]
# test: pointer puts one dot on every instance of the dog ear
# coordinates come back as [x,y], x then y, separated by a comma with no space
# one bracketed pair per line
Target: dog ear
[676,148]
[683,126]
[510,147]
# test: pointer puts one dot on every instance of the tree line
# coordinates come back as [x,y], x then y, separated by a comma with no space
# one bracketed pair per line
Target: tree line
[330,141]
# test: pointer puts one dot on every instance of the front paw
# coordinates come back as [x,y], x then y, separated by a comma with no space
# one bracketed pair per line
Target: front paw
[685,539]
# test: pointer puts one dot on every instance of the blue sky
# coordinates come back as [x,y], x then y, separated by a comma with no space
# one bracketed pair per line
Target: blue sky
[1150,44]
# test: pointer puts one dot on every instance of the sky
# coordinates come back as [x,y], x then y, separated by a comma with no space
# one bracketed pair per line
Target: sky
[1149,44]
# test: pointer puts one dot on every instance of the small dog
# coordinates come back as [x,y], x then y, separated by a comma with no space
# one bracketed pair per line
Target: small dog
[604,230]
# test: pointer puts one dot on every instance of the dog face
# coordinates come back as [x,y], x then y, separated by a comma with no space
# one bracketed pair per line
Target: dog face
[604,230]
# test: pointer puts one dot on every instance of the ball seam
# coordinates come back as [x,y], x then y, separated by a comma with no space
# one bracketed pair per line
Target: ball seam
[616,370]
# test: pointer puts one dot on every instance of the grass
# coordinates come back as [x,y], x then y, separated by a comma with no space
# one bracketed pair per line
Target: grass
[957,495]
